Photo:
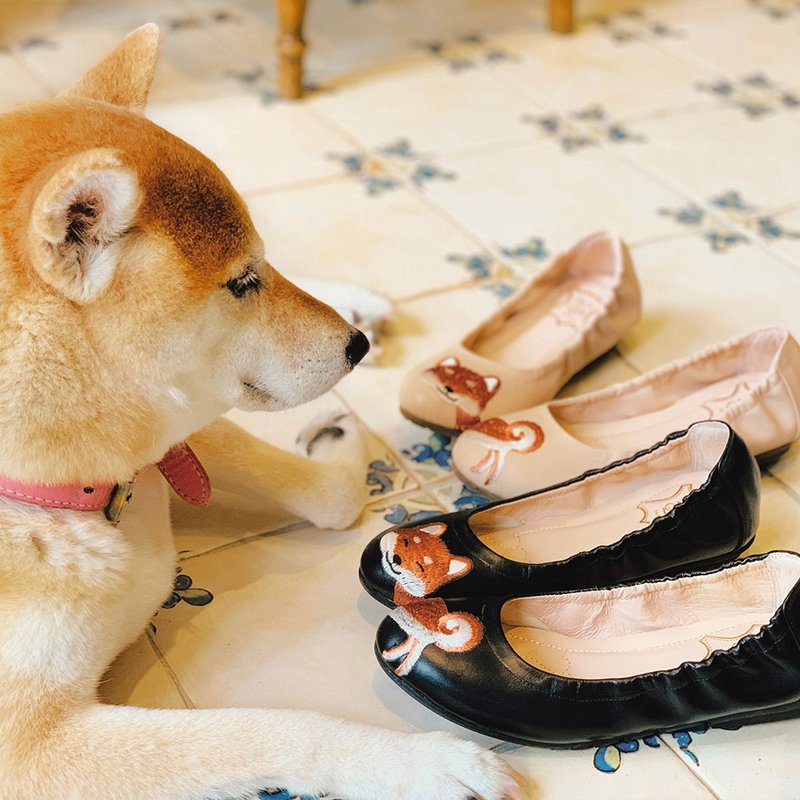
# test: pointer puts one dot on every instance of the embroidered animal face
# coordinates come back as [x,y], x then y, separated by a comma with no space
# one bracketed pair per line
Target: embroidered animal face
[467,390]
[419,561]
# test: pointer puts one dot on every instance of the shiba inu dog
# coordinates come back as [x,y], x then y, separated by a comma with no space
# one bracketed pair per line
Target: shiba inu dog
[137,306]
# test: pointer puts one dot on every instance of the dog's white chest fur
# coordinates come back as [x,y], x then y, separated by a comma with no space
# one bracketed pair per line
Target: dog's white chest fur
[80,565]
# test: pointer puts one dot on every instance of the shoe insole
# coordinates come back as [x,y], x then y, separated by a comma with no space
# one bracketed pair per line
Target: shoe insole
[552,531]
[634,654]
[636,431]
[551,322]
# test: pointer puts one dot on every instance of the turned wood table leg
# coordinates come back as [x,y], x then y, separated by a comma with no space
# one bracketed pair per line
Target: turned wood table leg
[561,16]
[290,47]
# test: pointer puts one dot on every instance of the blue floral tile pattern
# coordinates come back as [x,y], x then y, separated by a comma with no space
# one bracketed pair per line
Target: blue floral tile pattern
[504,275]
[457,497]
[183,591]
[437,450]
[408,512]
[756,95]
[38,43]
[634,25]
[466,52]
[189,21]
[731,207]
[582,128]
[778,9]
[391,166]
[469,498]
[683,739]
[608,759]
[381,476]
[257,80]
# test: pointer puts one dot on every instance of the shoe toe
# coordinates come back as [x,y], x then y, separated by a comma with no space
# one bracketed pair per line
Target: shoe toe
[388,636]
[420,403]
[374,577]
[478,467]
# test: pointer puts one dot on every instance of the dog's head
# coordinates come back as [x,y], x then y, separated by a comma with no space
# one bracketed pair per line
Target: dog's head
[138,303]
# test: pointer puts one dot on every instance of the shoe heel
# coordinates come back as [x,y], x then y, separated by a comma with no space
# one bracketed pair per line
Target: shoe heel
[788,711]
[771,456]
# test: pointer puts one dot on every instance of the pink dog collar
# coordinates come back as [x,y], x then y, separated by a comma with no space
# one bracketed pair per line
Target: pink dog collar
[180,466]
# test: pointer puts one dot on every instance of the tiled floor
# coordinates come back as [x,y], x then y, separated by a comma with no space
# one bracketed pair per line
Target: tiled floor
[447,149]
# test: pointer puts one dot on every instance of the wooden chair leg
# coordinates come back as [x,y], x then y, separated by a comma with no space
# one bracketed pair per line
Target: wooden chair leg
[290,47]
[561,16]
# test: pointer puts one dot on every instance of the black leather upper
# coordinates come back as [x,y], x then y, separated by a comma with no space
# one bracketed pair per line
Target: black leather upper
[714,523]
[492,690]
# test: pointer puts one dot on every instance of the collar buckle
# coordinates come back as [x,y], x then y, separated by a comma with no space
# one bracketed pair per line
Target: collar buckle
[120,497]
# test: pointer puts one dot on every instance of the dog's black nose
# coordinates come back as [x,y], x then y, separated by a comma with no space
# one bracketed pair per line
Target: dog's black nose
[356,348]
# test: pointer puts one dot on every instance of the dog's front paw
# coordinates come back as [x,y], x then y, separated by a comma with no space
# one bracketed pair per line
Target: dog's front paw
[438,766]
[333,436]
[339,444]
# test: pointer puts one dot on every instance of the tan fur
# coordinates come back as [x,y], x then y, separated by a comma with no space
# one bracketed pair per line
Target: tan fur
[118,338]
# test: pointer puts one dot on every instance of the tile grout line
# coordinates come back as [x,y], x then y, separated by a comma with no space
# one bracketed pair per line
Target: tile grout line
[790,490]
[171,674]
[523,88]
[695,773]
[37,76]
[491,248]
[637,164]
[420,485]
[423,486]
[294,186]
[292,526]
[678,188]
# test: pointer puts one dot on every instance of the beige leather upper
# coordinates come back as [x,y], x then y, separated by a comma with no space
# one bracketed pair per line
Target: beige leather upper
[752,383]
[558,322]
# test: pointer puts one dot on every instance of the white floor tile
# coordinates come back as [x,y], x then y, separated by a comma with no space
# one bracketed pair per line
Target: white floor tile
[564,775]
[438,109]
[694,296]
[543,189]
[723,148]
[257,146]
[388,241]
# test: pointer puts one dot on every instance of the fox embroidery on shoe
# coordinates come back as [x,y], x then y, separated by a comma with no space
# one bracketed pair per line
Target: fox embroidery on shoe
[430,622]
[419,561]
[501,438]
[468,390]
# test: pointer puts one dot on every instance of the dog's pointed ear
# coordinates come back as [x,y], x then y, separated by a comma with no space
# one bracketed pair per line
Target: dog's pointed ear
[81,208]
[125,75]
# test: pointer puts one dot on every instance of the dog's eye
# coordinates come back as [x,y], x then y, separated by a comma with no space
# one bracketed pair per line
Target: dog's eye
[248,281]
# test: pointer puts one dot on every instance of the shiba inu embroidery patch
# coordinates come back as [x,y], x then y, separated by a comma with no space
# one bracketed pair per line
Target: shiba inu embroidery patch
[419,561]
[469,390]
[430,622]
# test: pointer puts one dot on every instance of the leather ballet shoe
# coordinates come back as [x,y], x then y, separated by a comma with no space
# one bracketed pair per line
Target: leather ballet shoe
[714,649]
[557,323]
[752,383]
[691,500]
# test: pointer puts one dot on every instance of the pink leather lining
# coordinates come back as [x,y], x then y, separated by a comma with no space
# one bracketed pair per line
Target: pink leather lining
[604,634]
[180,467]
